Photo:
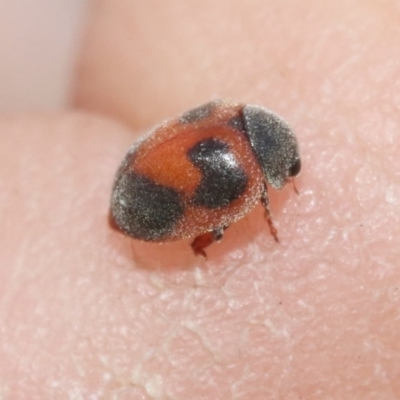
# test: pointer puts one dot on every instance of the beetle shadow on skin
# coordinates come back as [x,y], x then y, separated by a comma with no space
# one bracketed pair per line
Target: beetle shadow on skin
[172,256]
[133,253]
[178,256]
[253,227]
[237,238]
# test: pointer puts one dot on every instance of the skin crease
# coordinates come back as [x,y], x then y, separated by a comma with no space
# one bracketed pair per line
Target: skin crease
[88,313]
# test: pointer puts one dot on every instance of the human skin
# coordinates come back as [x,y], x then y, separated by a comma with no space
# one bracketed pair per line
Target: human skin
[88,313]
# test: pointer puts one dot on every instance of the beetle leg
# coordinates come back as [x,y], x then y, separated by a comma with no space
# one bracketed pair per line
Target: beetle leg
[265,203]
[204,240]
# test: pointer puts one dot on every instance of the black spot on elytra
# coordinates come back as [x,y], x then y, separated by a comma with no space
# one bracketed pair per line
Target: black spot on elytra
[223,179]
[144,209]
[198,113]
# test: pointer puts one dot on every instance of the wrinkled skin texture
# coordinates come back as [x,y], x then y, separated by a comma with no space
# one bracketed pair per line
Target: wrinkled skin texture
[88,313]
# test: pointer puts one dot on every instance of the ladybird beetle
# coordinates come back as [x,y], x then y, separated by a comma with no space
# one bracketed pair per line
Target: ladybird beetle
[193,176]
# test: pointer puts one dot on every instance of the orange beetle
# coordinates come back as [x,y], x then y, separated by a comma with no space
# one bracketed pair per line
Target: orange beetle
[195,175]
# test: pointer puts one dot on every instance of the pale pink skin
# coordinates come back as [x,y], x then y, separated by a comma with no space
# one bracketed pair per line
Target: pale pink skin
[88,313]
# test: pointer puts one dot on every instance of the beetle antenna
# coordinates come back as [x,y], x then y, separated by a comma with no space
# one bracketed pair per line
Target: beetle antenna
[295,187]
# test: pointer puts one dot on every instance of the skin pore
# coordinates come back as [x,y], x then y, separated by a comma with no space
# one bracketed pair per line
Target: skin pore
[88,313]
